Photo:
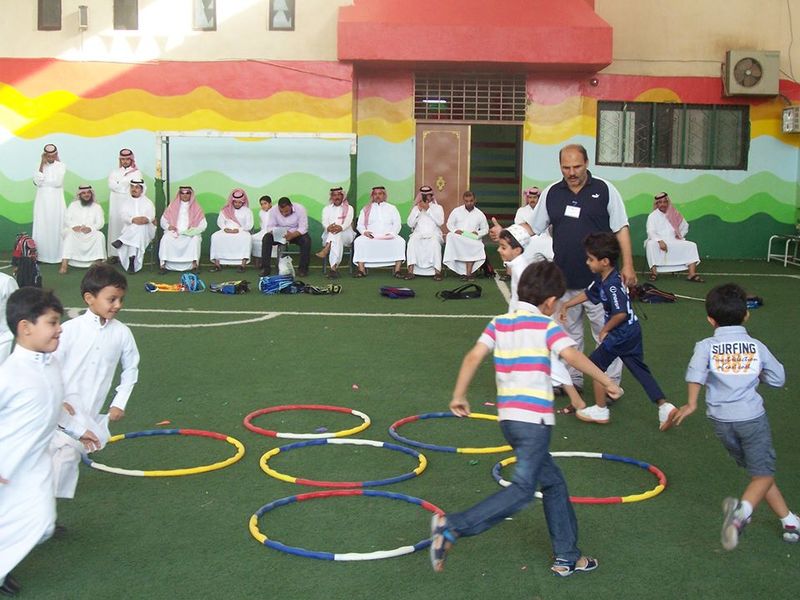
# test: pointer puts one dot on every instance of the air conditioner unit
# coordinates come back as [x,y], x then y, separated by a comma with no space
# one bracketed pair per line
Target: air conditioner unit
[751,72]
[791,119]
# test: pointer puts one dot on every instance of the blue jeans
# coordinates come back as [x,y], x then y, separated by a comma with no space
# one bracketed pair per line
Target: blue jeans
[531,444]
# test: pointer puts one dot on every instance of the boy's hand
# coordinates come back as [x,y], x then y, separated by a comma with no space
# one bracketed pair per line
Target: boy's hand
[602,335]
[683,412]
[459,407]
[614,391]
[562,314]
[90,441]
[115,414]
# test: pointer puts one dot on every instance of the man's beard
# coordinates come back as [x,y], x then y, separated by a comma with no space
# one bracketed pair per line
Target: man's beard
[86,202]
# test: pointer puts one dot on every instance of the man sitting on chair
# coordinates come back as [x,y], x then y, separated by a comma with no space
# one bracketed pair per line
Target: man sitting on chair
[425,242]
[379,244]
[183,223]
[230,245]
[667,250]
[337,230]
[464,252]
[138,215]
[287,223]
[84,243]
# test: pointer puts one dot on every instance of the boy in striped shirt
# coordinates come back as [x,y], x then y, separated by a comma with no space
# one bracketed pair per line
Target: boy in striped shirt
[522,342]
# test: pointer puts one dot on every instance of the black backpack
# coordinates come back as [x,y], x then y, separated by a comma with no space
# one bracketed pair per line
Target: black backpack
[25,261]
[650,294]
[465,292]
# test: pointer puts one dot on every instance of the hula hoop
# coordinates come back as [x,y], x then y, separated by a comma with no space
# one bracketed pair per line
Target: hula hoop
[662,479]
[347,556]
[441,415]
[248,421]
[264,462]
[170,472]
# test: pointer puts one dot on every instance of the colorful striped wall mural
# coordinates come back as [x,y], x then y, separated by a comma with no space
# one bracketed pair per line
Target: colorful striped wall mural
[91,110]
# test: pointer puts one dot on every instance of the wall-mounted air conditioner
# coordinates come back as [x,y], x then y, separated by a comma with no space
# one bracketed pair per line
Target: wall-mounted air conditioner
[751,72]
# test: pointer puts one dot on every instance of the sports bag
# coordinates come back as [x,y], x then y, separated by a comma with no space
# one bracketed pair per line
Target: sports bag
[397,292]
[230,287]
[650,294]
[25,261]
[464,292]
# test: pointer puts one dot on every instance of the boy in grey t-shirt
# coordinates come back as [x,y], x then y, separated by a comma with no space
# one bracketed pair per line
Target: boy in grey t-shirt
[731,364]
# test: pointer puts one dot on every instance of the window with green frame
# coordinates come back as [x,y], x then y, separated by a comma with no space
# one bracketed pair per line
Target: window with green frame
[670,135]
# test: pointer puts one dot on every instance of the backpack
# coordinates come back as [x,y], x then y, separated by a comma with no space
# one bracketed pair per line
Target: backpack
[397,292]
[464,292]
[650,294]
[25,261]
[230,287]
[272,284]
[192,283]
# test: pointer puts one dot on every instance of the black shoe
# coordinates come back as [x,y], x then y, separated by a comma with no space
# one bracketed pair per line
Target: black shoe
[162,271]
[116,244]
[558,390]
[131,265]
[12,583]
[302,273]
[265,273]
[7,590]
[59,531]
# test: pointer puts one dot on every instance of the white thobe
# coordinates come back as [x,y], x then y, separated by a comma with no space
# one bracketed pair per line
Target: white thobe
[231,248]
[119,186]
[178,249]
[259,235]
[89,353]
[82,249]
[8,285]
[31,394]
[679,254]
[332,215]
[135,238]
[387,247]
[49,210]
[425,242]
[539,247]
[460,249]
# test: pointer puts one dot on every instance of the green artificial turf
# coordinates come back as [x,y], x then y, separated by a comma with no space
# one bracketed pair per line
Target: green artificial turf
[187,537]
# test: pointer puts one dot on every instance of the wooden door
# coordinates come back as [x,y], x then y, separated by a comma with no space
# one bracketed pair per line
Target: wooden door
[443,162]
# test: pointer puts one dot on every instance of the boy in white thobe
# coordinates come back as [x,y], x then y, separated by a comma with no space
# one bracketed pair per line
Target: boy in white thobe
[138,229]
[464,252]
[8,285]
[119,186]
[258,237]
[337,230]
[666,247]
[183,223]
[49,208]
[31,396]
[231,244]
[92,345]
[84,243]
[379,244]
[424,255]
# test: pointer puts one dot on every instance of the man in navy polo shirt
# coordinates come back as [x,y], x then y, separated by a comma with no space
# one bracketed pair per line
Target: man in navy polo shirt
[576,206]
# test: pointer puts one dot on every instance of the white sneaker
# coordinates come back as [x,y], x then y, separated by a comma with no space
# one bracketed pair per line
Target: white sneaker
[732,523]
[594,414]
[666,415]
[791,534]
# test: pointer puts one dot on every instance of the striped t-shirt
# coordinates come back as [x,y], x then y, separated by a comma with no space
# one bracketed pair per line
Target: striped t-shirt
[522,341]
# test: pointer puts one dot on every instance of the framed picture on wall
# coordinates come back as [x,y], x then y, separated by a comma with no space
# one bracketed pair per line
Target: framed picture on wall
[281,15]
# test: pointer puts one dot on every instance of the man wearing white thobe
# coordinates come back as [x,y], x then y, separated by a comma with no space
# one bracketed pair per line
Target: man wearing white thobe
[49,208]
[379,244]
[539,247]
[119,186]
[464,251]
[424,254]
[337,230]
[231,244]
[8,285]
[138,229]
[183,223]
[84,243]
[666,245]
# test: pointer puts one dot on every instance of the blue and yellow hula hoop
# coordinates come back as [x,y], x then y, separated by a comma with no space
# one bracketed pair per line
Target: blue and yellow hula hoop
[662,479]
[264,462]
[170,472]
[347,556]
[442,415]
[248,421]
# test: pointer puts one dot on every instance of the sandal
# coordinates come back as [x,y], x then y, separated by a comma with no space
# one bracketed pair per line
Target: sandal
[696,279]
[442,539]
[437,277]
[409,277]
[360,274]
[214,269]
[398,275]
[567,410]
[652,277]
[565,568]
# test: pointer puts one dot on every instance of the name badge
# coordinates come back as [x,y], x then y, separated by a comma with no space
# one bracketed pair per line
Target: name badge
[573,211]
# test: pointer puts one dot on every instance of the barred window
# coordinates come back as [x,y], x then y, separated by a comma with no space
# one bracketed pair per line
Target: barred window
[679,136]
[205,15]
[484,97]
[126,15]
[281,15]
[49,15]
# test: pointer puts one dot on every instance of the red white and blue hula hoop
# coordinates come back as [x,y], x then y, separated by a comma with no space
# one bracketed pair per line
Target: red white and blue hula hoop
[346,556]
[662,479]
[170,472]
[442,415]
[264,462]
[248,422]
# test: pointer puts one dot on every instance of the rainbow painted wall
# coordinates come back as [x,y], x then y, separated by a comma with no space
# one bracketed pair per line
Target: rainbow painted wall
[91,110]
